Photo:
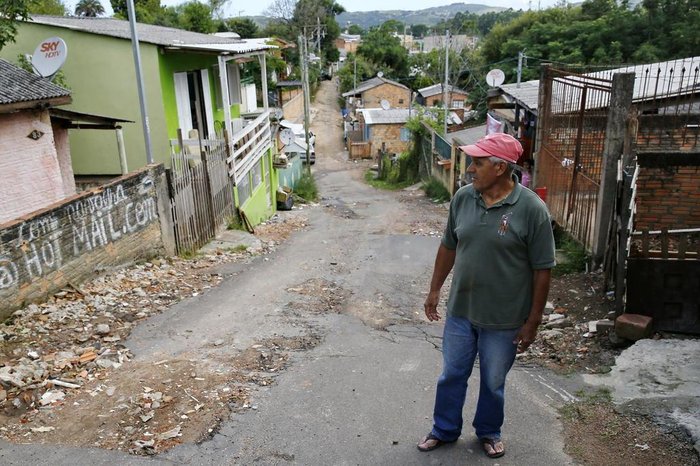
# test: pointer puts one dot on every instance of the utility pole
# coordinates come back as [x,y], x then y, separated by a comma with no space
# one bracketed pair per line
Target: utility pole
[307,101]
[139,80]
[318,35]
[520,67]
[445,90]
[354,75]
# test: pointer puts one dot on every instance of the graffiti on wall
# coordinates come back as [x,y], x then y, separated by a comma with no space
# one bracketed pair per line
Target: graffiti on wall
[36,247]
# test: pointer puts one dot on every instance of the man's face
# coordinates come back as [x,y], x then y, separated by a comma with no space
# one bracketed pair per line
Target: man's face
[484,172]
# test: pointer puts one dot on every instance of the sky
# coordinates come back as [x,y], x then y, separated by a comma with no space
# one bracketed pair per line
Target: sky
[248,8]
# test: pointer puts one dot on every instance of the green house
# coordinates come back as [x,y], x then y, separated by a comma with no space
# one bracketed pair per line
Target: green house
[191,81]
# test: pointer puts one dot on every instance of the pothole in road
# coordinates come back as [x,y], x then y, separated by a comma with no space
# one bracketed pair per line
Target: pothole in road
[317,296]
[341,209]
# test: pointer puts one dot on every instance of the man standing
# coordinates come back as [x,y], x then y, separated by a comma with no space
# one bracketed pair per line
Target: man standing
[499,241]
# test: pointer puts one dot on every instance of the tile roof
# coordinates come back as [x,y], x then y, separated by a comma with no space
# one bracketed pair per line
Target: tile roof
[18,85]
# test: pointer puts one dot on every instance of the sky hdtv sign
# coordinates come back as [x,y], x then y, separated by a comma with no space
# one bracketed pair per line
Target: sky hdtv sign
[49,56]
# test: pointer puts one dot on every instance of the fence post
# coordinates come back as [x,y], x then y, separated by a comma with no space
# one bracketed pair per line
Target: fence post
[453,167]
[544,97]
[209,198]
[615,130]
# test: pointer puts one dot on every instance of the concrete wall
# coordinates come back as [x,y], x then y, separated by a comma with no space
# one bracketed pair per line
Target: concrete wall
[293,109]
[398,97]
[71,241]
[668,192]
[100,73]
[262,202]
[30,173]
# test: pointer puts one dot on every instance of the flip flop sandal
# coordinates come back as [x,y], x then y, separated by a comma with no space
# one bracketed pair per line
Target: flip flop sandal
[438,443]
[491,442]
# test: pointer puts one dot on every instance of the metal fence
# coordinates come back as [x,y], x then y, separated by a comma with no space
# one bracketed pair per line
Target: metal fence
[442,147]
[573,122]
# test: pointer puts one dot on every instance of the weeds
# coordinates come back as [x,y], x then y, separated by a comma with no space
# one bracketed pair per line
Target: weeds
[234,223]
[435,190]
[238,248]
[372,180]
[576,256]
[306,188]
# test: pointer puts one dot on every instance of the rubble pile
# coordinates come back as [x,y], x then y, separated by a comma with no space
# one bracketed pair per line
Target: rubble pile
[574,330]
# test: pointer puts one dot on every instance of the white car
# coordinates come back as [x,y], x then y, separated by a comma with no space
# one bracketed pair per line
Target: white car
[298,130]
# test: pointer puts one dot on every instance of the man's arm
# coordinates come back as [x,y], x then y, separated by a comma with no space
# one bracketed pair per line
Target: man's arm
[540,290]
[444,261]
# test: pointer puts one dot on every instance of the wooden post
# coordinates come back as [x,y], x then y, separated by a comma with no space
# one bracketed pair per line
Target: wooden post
[616,128]
[453,156]
[121,150]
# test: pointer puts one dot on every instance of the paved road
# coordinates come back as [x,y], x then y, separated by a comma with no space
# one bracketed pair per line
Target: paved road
[364,395]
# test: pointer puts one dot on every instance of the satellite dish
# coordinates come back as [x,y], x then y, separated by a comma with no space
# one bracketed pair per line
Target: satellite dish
[287,136]
[49,56]
[495,77]
[380,74]
[385,104]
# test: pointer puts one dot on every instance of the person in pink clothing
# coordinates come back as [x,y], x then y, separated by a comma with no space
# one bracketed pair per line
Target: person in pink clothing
[525,175]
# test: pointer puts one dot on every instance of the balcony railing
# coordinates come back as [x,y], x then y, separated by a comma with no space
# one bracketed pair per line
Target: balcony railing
[248,145]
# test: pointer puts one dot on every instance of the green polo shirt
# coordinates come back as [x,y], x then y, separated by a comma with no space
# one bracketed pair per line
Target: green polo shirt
[497,250]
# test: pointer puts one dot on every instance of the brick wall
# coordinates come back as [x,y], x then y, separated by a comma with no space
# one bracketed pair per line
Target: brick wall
[668,192]
[70,241]
[390,135]
[398,97]
[30,174]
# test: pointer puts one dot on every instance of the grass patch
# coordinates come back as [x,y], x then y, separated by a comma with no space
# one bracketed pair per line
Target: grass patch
[234,223]
[372,180]
[306,188]
[189,255]
[435,190]
[576,258]
[238,248]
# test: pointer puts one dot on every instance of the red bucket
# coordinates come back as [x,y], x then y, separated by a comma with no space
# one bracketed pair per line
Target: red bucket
[542,192]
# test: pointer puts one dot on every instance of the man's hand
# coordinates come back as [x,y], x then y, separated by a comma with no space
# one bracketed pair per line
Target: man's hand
[431,304]
[526,336]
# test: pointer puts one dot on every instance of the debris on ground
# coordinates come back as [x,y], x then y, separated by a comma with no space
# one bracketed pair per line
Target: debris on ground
[67,378]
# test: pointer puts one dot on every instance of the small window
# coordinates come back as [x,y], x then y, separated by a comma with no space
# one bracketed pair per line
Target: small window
[457,104]
[400,101]
[405,134]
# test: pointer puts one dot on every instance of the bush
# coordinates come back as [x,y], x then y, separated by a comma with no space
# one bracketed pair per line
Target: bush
[435,190]
[575,256]
[306,188]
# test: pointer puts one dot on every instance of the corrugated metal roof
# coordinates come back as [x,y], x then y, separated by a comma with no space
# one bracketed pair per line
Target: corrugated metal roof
[653,80]
[436,89]
[379,116]
[158,35]
[18,85]
[370,84]
[468,135]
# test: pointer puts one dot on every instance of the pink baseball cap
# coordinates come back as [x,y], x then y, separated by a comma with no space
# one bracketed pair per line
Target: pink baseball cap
[501,145]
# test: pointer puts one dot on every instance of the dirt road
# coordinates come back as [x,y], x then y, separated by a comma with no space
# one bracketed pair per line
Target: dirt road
[313,351]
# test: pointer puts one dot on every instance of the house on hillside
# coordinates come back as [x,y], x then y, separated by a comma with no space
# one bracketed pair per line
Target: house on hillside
[458,105]
[385,130]
[35,155]
[347,43]
[196,83]
[373,92]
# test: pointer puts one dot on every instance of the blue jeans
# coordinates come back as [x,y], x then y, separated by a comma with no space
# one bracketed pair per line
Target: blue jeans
[461,343]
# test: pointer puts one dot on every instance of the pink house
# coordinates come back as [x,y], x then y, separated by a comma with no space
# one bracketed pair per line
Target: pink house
[35,164]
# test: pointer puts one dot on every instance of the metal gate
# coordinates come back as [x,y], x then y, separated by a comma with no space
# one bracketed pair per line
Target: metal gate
[572,118]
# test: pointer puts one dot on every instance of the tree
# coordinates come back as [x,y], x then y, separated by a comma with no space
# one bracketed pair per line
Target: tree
[244,27]
[196,17]
[356,29]
[281,10]
[385,52]
[147,11]
[10,14]
[46,7]
[89,8]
